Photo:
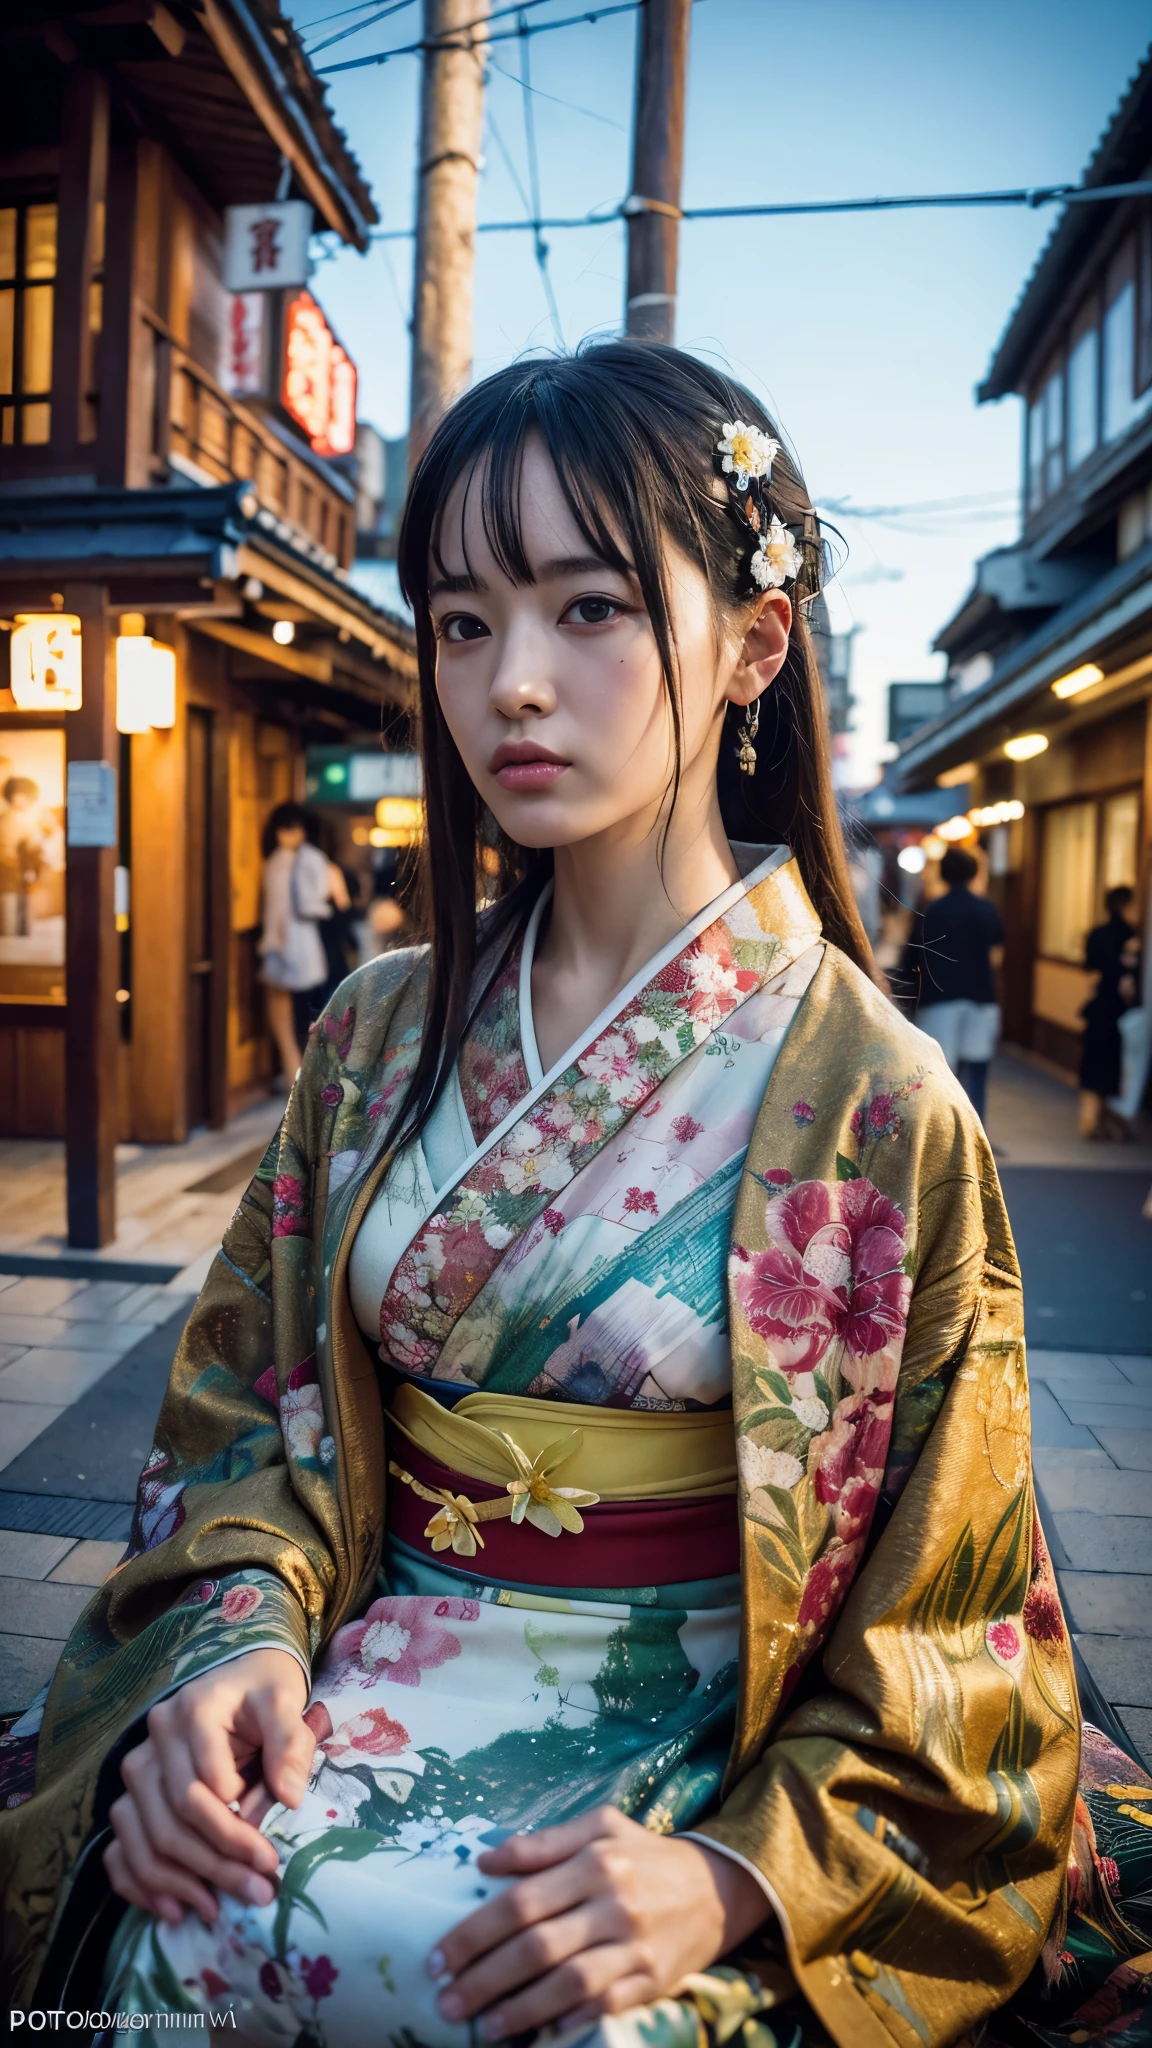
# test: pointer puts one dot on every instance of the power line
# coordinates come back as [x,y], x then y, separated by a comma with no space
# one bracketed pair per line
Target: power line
[1025,195]
[354,28]
[540,28]
[540,246]
[844,509]
[573,106]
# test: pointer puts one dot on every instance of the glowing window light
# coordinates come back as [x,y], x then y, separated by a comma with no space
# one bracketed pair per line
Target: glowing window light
[954,778]
[954,828]
[399,821]
[1026,746]
[46,662]
[145,683]
[1078,679]
[934,847]
[912,859]
[1005,813]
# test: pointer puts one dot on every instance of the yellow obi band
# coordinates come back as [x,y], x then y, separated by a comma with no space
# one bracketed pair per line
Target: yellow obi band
[617,1453]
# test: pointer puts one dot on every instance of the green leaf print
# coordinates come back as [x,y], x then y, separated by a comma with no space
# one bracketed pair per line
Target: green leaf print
[845,1169]
[165,1988]
[645,1672]
[346,1845]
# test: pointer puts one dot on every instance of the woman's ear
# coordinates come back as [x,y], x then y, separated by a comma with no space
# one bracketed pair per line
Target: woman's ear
[764,650]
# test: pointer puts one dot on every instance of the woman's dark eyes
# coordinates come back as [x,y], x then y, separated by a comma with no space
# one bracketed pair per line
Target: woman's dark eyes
[464,626]
[593,611]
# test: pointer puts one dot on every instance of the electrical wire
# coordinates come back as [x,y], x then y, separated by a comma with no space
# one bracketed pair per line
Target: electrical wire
[573,106]
[540,246]
[1032,196]
[355,28]
[540,28]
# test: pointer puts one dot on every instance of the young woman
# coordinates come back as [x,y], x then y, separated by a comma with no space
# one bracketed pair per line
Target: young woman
[301,888]
[639,1280]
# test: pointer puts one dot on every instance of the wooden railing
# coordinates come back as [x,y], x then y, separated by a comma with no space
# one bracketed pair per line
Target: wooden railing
[196,423]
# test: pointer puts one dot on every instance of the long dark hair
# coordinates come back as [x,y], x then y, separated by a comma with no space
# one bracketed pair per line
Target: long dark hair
[631,429]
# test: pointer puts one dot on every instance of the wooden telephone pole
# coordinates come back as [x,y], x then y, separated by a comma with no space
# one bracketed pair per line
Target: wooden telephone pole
[451,116]
[653,207]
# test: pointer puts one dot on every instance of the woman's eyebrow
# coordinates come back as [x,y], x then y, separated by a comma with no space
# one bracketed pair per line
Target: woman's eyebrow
[464,585]
[577,565]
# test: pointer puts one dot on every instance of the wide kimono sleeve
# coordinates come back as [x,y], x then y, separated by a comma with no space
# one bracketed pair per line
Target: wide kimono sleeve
[252,1525]
[904,1777]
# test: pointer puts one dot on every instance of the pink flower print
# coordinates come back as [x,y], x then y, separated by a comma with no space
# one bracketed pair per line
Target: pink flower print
[319,1720]
[214,1984]
[339,1032]
[396,1640]
[778,1177]
[856,1125]
[159,1507]
[846,1464]
[240,1601]
[319,1977]
[803,1114]
[201,1594]
[1043,1620]
[266,1386]
[824,1591]
[684,1129]
[881,1111]
[612,1063]
[289,1218]
[638,1201]
[553,1221]
[834,1269]
[270,1983]
[302,1411]
[1003,1640]
[372,1733]
[332,1094]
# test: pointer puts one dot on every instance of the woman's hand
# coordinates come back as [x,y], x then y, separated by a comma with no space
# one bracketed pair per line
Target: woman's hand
[605,1916]
[175,1834]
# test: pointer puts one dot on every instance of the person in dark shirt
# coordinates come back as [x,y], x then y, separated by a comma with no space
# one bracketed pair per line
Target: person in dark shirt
[962,946]
[1111,953]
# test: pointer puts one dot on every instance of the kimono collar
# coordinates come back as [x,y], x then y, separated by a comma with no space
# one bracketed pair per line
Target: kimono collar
[687,992]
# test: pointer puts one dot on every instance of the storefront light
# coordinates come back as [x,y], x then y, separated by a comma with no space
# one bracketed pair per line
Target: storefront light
[1026,746]
[912,859]
[283,632]
[933,847]
[955,778]
[1078,679]
[399,821]
[46,662]
[1005,813]
[145,679]
[954,828]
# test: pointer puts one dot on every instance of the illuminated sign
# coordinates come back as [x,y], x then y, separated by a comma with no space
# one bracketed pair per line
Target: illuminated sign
[266,247]
[244,345]
[46,662]
[319,381]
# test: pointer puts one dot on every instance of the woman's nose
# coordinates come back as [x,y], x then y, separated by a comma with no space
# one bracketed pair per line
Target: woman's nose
[521,686]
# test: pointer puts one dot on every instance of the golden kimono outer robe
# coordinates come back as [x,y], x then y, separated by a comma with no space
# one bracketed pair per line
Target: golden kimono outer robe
[904,1771]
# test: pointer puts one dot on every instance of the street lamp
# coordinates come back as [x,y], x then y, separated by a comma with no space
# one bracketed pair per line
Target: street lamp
[1026,746]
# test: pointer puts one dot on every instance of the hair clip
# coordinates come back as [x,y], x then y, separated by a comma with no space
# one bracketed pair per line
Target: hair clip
[746,457]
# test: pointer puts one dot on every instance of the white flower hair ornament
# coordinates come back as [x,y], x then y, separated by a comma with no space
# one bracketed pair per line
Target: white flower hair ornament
[746,452]
[777,559]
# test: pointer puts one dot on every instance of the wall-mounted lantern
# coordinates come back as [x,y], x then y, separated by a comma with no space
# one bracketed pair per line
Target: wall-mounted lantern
[145,678]
[46,662]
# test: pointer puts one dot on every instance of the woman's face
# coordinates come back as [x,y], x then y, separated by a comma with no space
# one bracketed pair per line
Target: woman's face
[290,837]
[553,690]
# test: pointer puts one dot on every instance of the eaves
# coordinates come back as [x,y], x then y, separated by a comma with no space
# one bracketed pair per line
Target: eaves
[1113,607]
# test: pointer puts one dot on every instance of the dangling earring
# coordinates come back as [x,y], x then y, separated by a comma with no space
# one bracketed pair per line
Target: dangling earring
[746,752]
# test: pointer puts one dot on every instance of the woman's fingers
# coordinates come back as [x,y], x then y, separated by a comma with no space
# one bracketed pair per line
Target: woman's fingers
[523,1905]
[191,1847]
[152,1875]
[170,1779]
[598,1980]
[286,1740]
[528,1957]
[520,1854]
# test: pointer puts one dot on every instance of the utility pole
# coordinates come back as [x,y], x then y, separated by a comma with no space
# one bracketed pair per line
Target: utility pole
[653,207]
[451,118]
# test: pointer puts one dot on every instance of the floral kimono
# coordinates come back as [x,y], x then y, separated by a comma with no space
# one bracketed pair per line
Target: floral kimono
[651,1431]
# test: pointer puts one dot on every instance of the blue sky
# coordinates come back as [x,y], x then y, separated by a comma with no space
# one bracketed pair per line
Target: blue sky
[865,334]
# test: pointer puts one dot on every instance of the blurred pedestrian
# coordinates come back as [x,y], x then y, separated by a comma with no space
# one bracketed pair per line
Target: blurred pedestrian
[1111,953]
[297,901]
[961,950]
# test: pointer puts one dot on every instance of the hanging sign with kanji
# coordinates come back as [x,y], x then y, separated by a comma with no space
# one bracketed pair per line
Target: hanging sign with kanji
[318,384]
[266,247]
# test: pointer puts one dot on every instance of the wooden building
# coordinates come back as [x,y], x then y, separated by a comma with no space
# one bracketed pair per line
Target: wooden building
[1048,719]
[140,496]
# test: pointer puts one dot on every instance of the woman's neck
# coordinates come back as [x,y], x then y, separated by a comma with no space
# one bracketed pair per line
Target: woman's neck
[617,900]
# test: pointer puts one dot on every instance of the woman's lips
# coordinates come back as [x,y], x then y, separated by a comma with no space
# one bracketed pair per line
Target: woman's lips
[536,774]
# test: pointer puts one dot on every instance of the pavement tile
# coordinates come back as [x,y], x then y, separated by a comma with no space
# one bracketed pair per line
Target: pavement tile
[9,1353]
[1106,1543]
[1096,1603]
[87,1563]
[49,1331]
[26,1665]
[1050,1425]
[1094,1489]
[1132,1412]
[8,1280]
[55,1374]
[1130,1448]
[1136,1370]
[95,1299]
[31,1329]
[150,1304]
[34,1607]
[20,1424]
[1138,1722]
[40,1295]
[1088,1376]
[1122,1668]
[27,1556]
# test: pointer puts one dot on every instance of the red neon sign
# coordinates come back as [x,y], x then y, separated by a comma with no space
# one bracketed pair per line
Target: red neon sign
[319,382]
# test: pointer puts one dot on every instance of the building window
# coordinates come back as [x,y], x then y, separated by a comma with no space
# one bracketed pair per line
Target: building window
[1119,366]
[1054,433]
[27,296]
[1036,454]
[1083,380]
[1088,848]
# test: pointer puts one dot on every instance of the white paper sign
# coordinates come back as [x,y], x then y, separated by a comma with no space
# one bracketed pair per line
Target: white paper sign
[92,809]
[266,247]
[244,372]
